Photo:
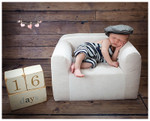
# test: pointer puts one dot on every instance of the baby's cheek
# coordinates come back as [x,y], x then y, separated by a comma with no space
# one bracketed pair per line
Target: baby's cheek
[122,43]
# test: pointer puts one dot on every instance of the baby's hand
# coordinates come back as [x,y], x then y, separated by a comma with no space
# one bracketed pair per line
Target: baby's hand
[115,64]
[118,48]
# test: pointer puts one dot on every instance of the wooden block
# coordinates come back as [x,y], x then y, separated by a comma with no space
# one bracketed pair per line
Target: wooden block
[15,81]
[26,86]
[34,77]
[27,98]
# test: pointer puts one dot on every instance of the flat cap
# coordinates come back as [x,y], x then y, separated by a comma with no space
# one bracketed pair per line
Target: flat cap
[118,29]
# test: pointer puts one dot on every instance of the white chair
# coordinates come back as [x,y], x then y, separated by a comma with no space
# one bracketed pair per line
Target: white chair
[101,83]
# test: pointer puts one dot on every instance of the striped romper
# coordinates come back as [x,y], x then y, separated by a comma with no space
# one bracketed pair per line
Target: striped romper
[93,53]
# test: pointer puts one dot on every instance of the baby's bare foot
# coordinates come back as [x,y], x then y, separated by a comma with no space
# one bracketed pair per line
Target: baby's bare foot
[78,73]
[72,67]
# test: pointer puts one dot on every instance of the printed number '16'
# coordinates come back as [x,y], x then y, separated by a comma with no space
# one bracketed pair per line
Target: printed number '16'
[34,82]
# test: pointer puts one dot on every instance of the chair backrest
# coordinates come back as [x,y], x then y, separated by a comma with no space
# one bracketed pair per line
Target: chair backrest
[79,38]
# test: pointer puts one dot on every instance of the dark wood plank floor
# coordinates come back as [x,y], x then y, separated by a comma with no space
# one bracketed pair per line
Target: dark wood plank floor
[79,109]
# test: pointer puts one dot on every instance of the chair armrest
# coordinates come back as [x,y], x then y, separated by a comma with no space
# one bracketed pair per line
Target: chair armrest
[129,58]
[130,63]
[60,67]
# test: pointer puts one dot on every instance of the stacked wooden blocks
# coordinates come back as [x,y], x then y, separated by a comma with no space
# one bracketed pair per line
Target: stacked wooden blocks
[25,86]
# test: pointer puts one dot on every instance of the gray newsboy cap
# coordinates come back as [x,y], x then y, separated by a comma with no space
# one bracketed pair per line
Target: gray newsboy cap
[118,29]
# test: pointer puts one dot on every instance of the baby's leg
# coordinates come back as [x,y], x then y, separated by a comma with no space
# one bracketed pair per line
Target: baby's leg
[85,65]
[79,58]
[72,67]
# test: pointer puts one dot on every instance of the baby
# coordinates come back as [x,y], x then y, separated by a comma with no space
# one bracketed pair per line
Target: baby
[89,54]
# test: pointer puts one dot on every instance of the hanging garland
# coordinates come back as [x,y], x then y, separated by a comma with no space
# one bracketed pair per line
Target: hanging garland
[29,24]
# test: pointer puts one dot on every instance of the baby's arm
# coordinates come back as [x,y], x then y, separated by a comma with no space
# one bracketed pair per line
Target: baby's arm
[105,47]
[115,55]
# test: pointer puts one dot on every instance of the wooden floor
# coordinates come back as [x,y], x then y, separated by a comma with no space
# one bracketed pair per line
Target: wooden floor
[115,109]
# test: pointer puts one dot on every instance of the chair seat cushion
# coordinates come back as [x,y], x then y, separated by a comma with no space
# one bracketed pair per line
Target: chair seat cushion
[102,82]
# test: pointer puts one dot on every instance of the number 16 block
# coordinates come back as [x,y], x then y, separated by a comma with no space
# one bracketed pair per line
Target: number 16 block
[25,86]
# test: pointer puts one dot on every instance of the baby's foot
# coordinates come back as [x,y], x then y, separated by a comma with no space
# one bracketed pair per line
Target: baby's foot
[72,67]
[78,73]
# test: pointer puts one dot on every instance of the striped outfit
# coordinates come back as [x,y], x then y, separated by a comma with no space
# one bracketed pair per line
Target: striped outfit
[93,53]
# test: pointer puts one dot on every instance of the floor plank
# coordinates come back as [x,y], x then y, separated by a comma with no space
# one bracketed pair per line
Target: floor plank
[143,89]
[102,107]
[75,117]
[146,102]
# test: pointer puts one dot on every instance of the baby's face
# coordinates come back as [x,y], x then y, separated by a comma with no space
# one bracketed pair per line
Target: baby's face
[118,39]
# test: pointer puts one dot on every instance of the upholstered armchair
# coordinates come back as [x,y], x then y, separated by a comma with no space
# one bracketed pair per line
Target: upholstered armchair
[101,83]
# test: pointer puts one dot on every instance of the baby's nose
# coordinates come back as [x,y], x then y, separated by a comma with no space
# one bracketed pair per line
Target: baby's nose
[117,41]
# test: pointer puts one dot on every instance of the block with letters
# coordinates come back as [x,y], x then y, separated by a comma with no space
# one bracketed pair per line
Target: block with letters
[25,86]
